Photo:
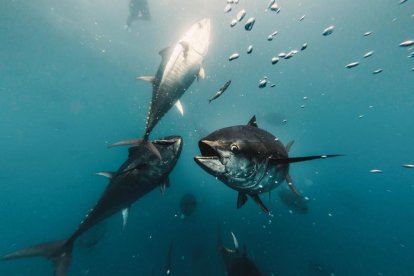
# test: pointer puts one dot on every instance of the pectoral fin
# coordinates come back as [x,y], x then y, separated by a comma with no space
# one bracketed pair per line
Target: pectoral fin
[186,47]
[109,175]
[164,184]
[241,199]
[236,243]
[259,202]
[146,78]
[180,108]
[201,73]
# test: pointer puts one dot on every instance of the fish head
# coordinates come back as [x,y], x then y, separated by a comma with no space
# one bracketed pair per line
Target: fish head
[146,162]
[198,37]
[235,155]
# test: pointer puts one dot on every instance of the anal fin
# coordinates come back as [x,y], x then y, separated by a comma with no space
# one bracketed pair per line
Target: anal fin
[259,202]
[241,199]
[125,213]
[291,185]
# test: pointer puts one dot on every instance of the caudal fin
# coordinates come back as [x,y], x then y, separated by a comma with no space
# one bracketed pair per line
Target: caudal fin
[58,252]
[135,142]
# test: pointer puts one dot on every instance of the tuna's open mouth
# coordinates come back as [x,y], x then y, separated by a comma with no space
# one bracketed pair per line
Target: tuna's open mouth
[210,159]
[207,150]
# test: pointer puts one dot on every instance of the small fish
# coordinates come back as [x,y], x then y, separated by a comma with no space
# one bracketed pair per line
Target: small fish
[240,15]
[411,55]
[233,56]
[262,83]
[402,2]
[270,38]
[303,17]
[227,8]
[304,46]
[291,54]
[282,55]
[352,65]
[220,91]
[377,71]
[273,85]
[275,60]
[368,54]
[233,23]
[250,49]
[249,24]
[367,33]
[408,166]
[328,30]
[407,43]
[375,171]
[271,3]
[275,8]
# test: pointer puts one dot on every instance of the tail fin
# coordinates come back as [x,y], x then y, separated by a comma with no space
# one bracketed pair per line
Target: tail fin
[148,144]
[59,252]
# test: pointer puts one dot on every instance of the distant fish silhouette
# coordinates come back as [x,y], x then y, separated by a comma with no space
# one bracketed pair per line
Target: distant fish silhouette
[294,202]
[138,9]
[187,204]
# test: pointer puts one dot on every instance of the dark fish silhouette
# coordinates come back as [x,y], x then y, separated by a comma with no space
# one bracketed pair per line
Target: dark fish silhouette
[249,160]
[187,204]
[139,175]
[138,9]
[293,201]
[220,91]
[237,262]
[181,64]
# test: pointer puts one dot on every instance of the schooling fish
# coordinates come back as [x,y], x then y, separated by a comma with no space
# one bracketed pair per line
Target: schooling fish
[249,160]
[180,65]
[140,174]
[220,91]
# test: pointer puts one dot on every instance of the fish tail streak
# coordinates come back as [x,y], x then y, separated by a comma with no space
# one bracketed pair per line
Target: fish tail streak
[58,252]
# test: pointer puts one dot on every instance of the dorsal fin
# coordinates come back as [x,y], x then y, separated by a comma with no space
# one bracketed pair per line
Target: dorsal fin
[289,145]
[186,47]
[252,122]
[164,53]
[259,202]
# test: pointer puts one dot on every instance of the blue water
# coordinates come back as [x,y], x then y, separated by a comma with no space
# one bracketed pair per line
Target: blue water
[67,89]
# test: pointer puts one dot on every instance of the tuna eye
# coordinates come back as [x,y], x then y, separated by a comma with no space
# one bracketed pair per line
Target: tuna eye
[234,148]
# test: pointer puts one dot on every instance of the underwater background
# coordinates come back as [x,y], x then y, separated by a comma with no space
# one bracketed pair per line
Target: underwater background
[68,90]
